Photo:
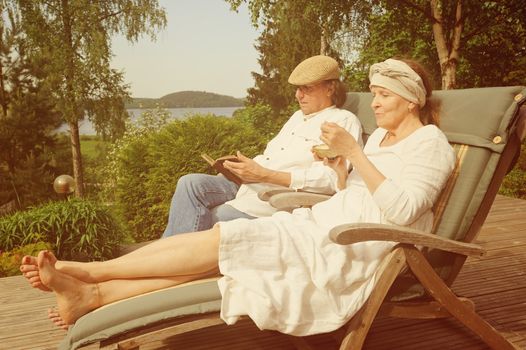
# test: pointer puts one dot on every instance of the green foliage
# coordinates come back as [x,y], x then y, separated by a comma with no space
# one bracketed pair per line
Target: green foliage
[293,30]
[146,163]
[76,229]
[514,184]
[10,260]
[492,44]
[92,146]
[263,118]
[393,30]
[29,183]
[27,118]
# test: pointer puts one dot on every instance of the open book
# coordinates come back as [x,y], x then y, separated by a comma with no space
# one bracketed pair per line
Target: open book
[217,164]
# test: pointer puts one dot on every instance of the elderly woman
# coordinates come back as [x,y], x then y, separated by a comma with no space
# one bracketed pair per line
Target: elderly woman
[283,271]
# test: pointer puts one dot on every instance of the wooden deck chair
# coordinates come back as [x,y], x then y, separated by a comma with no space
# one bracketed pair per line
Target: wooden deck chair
[486,128]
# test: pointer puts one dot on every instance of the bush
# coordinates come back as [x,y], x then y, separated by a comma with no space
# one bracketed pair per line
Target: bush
[28,184]
[76,229]
[10,261]
[264,119]
[514,184]
[146,163]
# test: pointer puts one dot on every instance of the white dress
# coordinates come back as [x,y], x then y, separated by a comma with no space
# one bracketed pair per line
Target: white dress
[285,273]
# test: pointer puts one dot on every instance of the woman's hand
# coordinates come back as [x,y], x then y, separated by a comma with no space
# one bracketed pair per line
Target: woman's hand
[343,143]
[339,140]
[339,165]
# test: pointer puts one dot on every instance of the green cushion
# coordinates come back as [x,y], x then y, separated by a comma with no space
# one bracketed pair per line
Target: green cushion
[188,299]
[470,116]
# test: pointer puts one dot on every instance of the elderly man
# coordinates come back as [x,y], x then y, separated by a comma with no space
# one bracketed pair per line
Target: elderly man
[201,200]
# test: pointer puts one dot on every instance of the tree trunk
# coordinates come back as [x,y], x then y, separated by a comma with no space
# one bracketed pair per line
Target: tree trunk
[448,53]
[449,76]
[2,90]
[78,171]
[69,69]
[323,43]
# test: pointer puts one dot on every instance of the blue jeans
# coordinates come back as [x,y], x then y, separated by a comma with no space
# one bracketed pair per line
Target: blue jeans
[198,203]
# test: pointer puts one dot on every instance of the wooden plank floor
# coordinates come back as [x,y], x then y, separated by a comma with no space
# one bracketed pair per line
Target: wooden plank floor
[496,283]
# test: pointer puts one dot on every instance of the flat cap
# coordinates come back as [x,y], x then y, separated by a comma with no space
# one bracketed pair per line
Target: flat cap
[314,69]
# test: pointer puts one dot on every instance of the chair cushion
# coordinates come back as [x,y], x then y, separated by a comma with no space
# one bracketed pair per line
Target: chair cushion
[191,298]
[470,116]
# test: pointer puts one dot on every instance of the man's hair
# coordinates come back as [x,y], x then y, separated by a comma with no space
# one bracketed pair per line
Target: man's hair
[339,93]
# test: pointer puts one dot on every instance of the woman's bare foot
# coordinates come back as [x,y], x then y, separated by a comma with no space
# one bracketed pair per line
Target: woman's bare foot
[75,298]
[75,269]
[54,316]
[30,271]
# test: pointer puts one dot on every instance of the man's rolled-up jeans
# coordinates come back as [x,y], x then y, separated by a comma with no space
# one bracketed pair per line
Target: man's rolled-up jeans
[198,203]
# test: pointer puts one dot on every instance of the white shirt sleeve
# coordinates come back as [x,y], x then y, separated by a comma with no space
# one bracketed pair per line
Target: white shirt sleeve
[426,169]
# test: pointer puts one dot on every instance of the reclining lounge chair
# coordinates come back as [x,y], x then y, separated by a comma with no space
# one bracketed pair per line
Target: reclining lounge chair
[485,126]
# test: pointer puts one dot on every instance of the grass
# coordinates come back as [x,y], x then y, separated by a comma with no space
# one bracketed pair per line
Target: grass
[91,146]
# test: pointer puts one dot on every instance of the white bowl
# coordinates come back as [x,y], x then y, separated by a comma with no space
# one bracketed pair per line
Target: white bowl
[323,151]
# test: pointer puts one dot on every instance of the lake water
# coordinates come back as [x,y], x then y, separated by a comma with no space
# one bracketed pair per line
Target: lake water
[86,128]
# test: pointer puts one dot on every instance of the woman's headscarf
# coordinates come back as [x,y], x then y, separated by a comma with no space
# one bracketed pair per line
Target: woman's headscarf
[401,79]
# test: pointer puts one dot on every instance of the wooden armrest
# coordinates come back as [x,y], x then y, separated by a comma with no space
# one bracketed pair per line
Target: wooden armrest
[265,194]
[354,233]
[293,200]
[284,198]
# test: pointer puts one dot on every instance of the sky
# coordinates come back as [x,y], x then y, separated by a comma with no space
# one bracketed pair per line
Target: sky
[204,47]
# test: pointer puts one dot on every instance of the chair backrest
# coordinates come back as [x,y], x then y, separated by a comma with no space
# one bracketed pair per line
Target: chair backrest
[481,124]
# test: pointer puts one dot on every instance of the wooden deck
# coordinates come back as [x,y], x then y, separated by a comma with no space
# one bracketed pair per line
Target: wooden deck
[496,283]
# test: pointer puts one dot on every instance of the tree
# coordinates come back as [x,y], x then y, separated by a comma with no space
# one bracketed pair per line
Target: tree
[389,31]
[475,43]
[74,37]
[293,31]
[27,117]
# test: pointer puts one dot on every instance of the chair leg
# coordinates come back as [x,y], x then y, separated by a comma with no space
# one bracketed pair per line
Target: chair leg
[419,310]
[359,325]
[441,293]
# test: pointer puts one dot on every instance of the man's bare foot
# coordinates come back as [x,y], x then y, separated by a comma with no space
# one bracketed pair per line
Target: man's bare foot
[75,298]
[30,271]
[54,316]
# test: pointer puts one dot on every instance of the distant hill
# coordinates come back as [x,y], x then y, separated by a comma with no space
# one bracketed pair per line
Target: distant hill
[187,99]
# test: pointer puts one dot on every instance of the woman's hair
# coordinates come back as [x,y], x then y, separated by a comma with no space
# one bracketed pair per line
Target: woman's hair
[339,93]
[430,113]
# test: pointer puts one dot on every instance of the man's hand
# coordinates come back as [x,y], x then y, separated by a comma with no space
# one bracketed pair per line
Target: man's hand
[248,170]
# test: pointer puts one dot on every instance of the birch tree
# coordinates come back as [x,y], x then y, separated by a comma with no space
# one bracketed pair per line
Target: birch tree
[75,37]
